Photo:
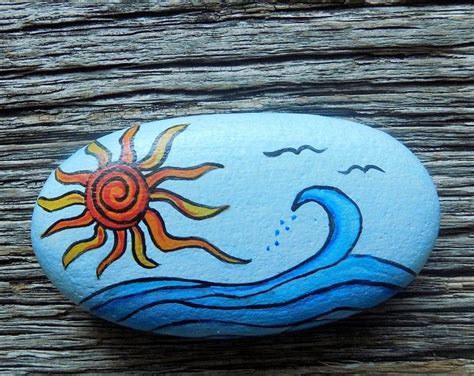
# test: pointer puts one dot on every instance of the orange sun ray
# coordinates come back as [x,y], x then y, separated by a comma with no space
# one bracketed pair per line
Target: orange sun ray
[128,154]
[176,173]
[61,202]
[117,251]
[78,248]
[79,177]
[161,147]
[82,220]
[168,243]
[139,249]
[99,151]
[187,207]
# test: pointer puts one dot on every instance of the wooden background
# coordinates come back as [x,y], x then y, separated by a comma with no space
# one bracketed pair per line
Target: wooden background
[71,73]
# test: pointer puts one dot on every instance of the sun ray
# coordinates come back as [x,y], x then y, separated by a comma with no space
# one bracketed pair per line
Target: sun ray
[168,243]
[99,151]
[161,147]
[61,202]
[128,154]
[78,177]
[139,249]
[82,220]
[187,207]
[78,248]
[117,251]
[176,173]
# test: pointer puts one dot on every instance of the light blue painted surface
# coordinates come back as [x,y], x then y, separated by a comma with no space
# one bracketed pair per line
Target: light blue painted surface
[304,270]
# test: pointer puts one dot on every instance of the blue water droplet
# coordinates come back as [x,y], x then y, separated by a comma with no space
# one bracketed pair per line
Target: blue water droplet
[277,243]
[277,232]
[287,228]
[282,222]
[293,217]
[268,248]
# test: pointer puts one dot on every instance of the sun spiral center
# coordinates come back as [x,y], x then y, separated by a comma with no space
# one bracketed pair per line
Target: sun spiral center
[117,196]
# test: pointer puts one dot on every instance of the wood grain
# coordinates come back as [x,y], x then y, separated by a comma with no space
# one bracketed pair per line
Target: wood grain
[71,73]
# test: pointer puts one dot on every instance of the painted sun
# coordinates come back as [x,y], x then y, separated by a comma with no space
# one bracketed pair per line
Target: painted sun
[116,199]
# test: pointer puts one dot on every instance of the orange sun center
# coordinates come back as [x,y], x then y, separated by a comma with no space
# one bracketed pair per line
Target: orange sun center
[117,196]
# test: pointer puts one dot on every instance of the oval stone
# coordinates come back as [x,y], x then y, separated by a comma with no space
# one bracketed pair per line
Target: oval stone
[218,226]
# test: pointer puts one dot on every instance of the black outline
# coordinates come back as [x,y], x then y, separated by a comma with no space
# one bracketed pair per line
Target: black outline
[294,207]
[202,284]
[163,226]
[167,147]
[163,288]
[297,203]
[107,151]
[114,248]
[85,211]
[60,197]
[276,153]
[98,179]
[216,165]
[179,197]
[101,205]
[288,325]
[142,235]
[363,169]
[361,282]
[72,173]
[103,200]
[96,229]
[389,262]
[216,284]
[132,144]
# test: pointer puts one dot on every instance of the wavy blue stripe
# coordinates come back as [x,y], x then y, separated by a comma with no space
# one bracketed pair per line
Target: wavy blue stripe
[306,290]
[226,326]
[284,315]
[253,325]
[388,262]
[350,269]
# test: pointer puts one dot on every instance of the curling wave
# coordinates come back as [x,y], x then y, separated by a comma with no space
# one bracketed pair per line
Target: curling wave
[329,285]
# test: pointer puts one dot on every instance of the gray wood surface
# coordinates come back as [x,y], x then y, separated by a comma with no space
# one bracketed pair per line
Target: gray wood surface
[71,73]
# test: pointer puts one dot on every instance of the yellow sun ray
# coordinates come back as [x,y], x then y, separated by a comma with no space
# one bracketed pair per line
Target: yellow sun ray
[99,151]
[169,243]
[176,173]
[82,220]
[139,249]
[128,154]
[78,248]
[187,207]
[161,147]
[116,253]
[79,177]
[61,202]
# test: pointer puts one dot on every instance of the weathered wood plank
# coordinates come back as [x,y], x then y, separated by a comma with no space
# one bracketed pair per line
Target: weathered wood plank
[70,73]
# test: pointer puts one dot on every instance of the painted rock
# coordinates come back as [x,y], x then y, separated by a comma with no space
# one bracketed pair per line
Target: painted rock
[235,225]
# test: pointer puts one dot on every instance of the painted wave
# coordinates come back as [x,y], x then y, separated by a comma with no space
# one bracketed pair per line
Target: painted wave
[330,285]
